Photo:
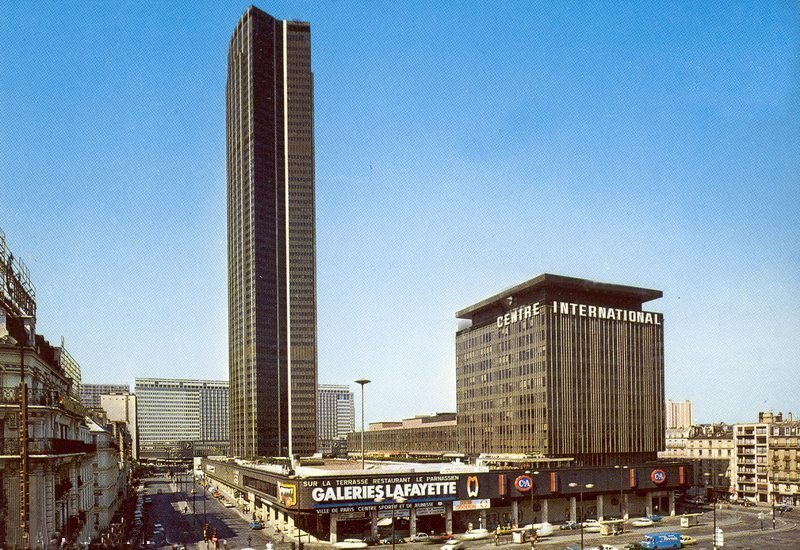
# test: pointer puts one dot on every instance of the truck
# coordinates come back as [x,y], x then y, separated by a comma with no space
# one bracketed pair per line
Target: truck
[661,540]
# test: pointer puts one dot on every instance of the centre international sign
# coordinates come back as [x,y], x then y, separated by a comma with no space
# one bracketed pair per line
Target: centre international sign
[528,311]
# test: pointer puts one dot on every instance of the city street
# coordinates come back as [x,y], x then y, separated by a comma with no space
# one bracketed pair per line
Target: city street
[182,519]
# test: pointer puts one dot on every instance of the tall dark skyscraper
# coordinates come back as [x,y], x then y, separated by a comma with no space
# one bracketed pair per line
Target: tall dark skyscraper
[271,240]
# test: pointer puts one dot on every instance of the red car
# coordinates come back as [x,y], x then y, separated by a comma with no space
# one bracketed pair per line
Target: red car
[441,537]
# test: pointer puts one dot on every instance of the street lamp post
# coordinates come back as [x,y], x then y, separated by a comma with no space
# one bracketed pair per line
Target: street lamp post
[587,486]
[621,485]
[362,382]
[397,500]
[713,503]
[532,491]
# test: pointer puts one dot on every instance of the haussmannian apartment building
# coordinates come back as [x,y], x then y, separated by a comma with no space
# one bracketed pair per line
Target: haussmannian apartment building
[271,238]
[181,418]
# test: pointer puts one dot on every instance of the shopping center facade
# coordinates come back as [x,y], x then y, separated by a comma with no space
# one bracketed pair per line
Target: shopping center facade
[337,500]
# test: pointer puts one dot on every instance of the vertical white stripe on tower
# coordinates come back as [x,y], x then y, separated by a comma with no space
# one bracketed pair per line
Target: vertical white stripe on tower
[286,236]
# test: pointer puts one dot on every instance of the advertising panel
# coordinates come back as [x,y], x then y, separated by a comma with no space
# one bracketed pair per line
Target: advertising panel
[476,504]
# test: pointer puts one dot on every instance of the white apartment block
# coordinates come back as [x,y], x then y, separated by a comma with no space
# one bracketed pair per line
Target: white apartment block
[678,414]
[178,417]
[767,467]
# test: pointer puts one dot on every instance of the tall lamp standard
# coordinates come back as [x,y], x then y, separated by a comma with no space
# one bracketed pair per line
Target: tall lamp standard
[587,486]
[621,485]
[708,477]
[532,491]
[398,500]
[362,382]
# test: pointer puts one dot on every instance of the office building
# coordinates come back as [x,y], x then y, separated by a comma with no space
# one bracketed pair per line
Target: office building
[562,367]
[679,414]
[335,417]
[180,419]
[90,393]
[271,238]
[767,464]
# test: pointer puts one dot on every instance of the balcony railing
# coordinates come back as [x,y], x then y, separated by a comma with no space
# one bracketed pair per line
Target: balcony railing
[47,446]
[9,395]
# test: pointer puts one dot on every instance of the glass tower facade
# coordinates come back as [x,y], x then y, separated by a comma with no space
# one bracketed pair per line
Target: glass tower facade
[271,238]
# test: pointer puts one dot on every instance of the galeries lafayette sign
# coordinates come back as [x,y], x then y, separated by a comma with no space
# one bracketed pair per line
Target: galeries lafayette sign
[389,490]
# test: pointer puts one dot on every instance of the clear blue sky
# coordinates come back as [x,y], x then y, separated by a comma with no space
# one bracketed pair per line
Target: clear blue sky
[462,147]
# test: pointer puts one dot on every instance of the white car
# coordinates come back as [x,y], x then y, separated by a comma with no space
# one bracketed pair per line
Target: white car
[350,543]
[420,537]
[227,504]
[474,534]
[544,529]
[453,544]
[642,522]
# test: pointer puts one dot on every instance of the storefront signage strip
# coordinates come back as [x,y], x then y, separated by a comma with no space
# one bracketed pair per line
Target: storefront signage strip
[388,491]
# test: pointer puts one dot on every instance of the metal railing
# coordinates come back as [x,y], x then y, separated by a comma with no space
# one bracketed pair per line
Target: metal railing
[46,446]
[9,395]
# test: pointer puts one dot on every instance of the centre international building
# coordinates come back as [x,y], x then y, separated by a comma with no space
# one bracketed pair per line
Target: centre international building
[565,368]
[557,368]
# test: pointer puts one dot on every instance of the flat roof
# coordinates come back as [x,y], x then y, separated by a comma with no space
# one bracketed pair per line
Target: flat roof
[548,280]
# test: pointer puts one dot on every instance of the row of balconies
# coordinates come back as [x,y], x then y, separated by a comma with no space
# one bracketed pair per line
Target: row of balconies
[46,446]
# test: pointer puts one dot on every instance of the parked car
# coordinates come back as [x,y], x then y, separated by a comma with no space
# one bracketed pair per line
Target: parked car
[227,504]
[441,537]
[474,534]
[350,543]
[397,538]
[569,525]
[258,525]
[783,508]
[372,540]
[654,517]
[686,540]
[453,544]
[642,522]
[747,503]
[420,537]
